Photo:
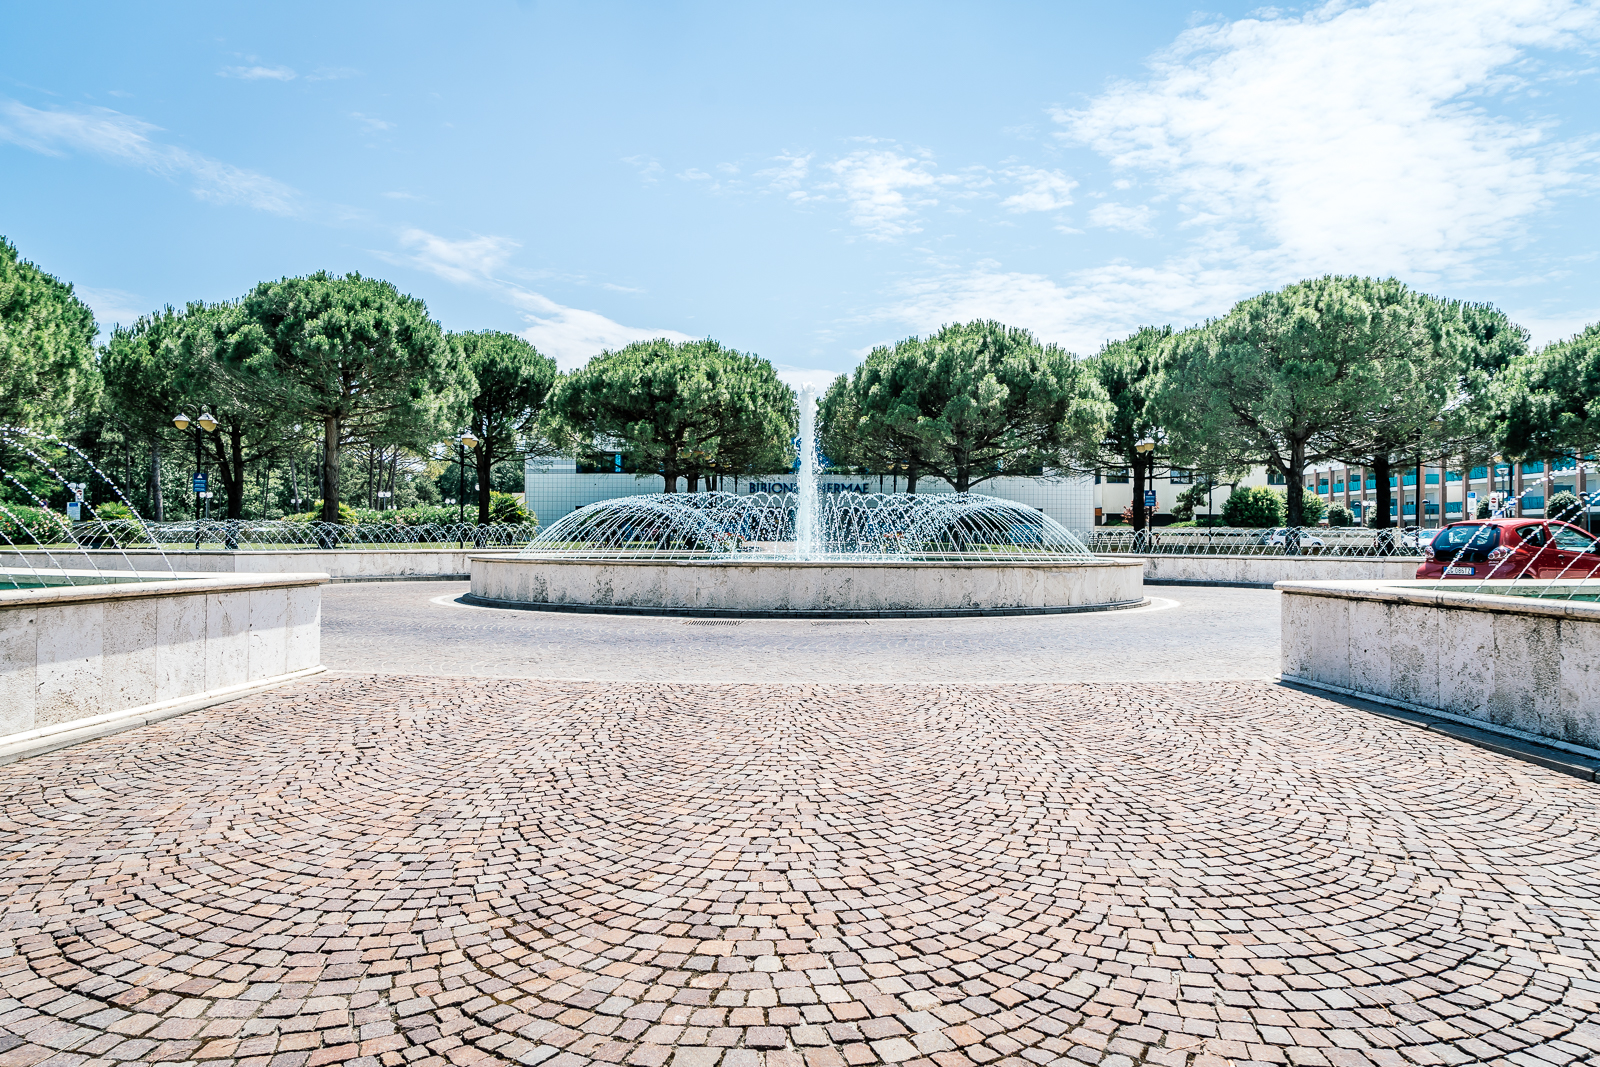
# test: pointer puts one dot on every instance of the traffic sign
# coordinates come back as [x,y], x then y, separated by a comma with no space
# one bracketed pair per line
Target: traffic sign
[1149,498]
[200,482]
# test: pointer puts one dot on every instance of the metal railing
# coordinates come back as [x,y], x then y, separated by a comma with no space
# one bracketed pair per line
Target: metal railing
[251,536]
[1278,541]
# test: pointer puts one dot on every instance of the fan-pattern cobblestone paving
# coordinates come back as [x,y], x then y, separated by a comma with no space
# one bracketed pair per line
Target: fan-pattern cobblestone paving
[419,870]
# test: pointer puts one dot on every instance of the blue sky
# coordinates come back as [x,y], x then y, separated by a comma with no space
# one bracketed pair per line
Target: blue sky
[806,181]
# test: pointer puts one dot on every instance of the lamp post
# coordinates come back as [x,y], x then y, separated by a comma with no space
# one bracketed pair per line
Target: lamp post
[465,441]
[1142,449]
[207,423]
[1494,480]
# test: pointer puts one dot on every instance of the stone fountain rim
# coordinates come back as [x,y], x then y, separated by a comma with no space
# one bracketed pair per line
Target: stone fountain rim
[474,600]
[738,561]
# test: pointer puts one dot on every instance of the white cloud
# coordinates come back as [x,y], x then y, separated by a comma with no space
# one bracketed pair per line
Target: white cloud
[694,174]
[1042,190]
[473,260]
[258,73]
[570,336]
[885,189]
[649,170]
[1354,138]
[1083,312]
[125,139]
[789,176]
[1547,326]
[1114,216]
[112,307]
[798,377]
[371,123]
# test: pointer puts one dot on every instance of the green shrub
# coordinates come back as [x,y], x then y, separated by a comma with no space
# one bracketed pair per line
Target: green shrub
[1563,505]
[1312,508]
[113,511]
[347,515]
[1339,515]
[1253,508]
[507,508]
[22,525]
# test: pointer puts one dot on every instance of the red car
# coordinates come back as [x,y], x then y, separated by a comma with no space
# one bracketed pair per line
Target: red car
[1511,548]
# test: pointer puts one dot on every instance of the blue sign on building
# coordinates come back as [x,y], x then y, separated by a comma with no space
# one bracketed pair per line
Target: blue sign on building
[1149,498]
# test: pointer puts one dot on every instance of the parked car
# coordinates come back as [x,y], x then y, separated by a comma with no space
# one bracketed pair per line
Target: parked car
[1279,537]
[1511,548]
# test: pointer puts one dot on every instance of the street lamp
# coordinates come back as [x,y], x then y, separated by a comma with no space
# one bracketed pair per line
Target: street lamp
[467,440]
[1494,481]
[207,423]
[1143,447]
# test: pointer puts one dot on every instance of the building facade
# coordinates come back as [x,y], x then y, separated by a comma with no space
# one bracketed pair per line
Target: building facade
[555,487]
[1449,493]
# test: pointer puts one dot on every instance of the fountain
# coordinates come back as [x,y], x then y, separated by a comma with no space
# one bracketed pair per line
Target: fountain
[99,632]
[806,535]
[807,555]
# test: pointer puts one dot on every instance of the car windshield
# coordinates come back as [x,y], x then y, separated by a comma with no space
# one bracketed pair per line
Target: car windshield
[1457,537]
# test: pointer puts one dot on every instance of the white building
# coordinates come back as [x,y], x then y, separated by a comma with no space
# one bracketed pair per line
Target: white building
[1528,485]
[555,487]
[1113,492]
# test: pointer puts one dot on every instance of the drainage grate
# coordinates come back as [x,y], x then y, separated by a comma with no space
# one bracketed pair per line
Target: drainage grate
[711,622]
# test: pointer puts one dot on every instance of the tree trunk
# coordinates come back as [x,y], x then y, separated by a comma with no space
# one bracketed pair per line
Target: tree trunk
[692,481]
[330,469]
[911,478]
[670,477]
[158,503]
[1297,484]
[229,450]
[294,485]
[1380,470]
[485,466]
[1138,493]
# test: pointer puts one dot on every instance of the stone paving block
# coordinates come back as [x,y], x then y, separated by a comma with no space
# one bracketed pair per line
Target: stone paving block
[405,871]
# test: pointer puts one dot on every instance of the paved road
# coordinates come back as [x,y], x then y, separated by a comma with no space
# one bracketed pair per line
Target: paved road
[387,870]
[417,627]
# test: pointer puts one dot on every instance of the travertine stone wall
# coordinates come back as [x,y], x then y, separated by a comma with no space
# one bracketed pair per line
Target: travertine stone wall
[1267,570]
[780,586]
[85,651]
[1514,662]
[336,563]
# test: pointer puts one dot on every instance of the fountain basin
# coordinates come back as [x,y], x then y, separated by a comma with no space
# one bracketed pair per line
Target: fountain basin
[787,588]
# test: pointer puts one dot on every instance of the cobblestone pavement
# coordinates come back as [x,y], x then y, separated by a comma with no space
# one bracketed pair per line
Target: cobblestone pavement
[392,870]
[1194,633]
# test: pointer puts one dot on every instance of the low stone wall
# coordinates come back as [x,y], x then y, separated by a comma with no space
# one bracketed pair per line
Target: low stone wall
[1526,666]
[804,589]
[1265,571]
[82,661]
[340,564]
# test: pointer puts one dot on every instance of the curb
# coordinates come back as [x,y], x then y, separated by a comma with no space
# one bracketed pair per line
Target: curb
[736,613]
[22,746]
[1568,759]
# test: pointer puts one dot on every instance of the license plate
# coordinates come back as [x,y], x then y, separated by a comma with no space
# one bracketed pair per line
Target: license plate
[1458,570]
